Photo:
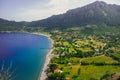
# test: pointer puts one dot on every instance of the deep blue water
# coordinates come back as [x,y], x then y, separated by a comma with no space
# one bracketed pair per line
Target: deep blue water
[25,52]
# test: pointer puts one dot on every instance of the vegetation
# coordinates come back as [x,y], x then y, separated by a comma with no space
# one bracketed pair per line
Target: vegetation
[80,54]
[91,51]
[86,41]
[97,13]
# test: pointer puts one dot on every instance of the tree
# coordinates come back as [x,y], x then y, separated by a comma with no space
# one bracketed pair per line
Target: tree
[79,71]
[53,67]
[57,76]
[105,77]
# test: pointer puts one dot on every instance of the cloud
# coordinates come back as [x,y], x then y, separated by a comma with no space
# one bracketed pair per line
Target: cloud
[53,7]
[39,9]
[59,6]
[33,14]
[113,1]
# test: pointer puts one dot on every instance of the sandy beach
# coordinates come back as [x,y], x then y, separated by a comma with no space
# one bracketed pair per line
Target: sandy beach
[43,74]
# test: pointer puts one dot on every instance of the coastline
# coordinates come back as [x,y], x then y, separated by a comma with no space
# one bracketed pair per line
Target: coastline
[48,56]
[43,75]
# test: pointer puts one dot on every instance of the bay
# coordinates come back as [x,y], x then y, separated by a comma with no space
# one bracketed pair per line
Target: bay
[24,53]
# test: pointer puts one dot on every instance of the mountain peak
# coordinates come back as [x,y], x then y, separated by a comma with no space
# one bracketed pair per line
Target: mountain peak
[98,12]
[100,2]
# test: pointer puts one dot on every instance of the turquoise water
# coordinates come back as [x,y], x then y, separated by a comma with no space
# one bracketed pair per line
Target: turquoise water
[25,52]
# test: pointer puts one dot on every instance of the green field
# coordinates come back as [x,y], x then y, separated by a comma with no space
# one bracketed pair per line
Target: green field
[89,71]
[100,59]
[117,55]
[87,53]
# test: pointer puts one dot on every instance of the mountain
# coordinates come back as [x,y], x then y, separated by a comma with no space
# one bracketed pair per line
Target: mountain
[97,13]
[10,25]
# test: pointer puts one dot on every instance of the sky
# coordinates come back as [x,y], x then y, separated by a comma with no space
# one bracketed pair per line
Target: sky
[31,10]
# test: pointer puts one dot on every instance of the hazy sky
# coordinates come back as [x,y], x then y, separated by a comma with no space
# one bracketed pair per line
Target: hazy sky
[28,10]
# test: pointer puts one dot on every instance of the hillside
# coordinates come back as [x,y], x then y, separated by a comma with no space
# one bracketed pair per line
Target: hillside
[10,25]
[97,13]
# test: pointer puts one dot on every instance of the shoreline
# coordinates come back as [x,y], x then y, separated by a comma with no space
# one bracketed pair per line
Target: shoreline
[48,56]
[42,74]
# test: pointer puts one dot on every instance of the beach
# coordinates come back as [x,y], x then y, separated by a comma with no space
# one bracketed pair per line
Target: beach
[43,74]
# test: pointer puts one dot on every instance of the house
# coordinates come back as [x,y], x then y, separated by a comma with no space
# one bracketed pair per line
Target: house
[58,71]
[67,78]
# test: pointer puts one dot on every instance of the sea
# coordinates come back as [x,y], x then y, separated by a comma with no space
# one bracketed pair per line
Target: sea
[22,55]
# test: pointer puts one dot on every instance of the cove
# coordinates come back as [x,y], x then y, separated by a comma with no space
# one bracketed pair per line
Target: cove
[24,53]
